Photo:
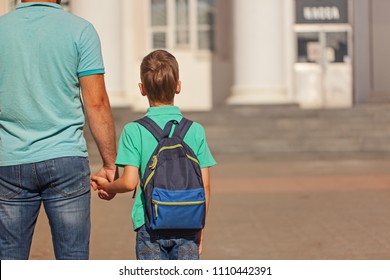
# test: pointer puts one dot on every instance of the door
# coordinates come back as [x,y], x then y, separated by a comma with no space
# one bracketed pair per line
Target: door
[323,66]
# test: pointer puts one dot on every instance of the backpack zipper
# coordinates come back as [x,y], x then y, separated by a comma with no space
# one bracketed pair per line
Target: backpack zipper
[186,203]
[155,157]
[155,161]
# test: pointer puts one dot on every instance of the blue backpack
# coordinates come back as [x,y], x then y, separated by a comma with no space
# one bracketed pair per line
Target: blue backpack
[172,182]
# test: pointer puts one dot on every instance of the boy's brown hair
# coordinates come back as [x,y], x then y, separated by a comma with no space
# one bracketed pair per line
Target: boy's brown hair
[160,76]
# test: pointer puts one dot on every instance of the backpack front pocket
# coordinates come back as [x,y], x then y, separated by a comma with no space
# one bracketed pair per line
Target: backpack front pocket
[178,209]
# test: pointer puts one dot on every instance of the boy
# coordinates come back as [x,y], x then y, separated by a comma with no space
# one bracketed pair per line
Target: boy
[160,83]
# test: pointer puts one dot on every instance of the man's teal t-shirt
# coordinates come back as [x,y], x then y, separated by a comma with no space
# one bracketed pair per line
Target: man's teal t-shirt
[43,52]
[136,145]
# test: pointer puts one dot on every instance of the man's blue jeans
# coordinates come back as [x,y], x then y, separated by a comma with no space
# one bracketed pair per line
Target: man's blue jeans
[154,245]
[63,185]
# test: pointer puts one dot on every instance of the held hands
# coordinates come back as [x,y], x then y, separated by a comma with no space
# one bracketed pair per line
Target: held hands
[102,193]
[103,177]
[99,182]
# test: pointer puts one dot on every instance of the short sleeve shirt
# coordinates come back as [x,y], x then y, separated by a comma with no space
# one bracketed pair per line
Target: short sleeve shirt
[136,146]
[44,51]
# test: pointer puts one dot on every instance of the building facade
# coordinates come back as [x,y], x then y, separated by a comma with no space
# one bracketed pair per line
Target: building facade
[318,54]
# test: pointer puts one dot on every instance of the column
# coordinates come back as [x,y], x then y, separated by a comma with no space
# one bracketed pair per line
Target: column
[260,52]
[106,18]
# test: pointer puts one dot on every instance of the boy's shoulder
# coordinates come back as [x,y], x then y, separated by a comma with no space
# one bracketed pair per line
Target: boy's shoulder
[131,127]
[197,127]
[134,129]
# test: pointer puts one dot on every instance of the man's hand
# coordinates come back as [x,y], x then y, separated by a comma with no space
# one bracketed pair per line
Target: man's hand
[104,175]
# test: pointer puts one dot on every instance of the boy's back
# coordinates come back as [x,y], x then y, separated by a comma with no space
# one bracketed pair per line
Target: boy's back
[160,84]
[136,146]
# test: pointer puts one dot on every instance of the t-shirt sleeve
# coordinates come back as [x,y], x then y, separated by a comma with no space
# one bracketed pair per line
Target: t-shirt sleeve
[129,147]
[203,153]
[90,54]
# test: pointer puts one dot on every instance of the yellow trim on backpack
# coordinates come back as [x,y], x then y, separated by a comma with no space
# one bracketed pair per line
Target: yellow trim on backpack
[148,179]
[193,159]
[186,203]
[169,148]
[155,161]
[183,203]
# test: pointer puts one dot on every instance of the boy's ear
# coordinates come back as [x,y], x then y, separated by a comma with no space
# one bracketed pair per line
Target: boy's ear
[141,88]
[178,87]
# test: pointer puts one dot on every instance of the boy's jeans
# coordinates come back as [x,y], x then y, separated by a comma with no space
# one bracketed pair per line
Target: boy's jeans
[151,245]
[63,185]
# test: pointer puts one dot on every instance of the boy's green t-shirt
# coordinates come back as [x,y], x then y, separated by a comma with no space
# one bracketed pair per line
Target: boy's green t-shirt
[137,144]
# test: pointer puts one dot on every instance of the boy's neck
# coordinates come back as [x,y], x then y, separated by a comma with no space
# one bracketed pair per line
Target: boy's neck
[49,1]
[158,104]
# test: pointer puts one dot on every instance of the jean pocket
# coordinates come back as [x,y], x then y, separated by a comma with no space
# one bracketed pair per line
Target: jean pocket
[146,247]
[9,182]
[69,175]
[188,249]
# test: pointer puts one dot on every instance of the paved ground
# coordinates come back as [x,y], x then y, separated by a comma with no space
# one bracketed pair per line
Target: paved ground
[326,197]
[294,209]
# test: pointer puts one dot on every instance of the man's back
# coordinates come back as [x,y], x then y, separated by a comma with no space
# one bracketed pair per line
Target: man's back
[43,53]
[46,56]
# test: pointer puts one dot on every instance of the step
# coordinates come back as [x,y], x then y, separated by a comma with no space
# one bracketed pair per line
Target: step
[286,131]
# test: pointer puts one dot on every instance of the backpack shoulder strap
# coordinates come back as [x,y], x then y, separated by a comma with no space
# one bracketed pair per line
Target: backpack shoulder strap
[154,129]
[182,128]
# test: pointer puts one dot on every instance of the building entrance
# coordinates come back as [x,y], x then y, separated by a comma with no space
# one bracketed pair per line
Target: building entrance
[323,54]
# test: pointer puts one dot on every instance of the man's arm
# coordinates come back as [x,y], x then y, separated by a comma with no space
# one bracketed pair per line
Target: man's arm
[101,123]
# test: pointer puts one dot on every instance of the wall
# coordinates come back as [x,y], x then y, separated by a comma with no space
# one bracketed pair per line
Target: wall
[380,46]
[222,64]
[106,18]
[362,51]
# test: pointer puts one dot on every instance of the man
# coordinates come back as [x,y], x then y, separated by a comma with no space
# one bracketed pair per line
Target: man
[46,56]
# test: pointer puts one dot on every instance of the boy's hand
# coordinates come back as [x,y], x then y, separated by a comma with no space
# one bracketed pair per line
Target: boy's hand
[200,241]
[105,195]
[109,173]
[102,193]
[99,182]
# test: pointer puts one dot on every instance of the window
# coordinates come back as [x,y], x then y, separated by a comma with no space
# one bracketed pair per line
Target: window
[206,24]
[309,47]
[184,24]
[317,47]
[159,23]
[337,47]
